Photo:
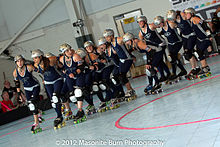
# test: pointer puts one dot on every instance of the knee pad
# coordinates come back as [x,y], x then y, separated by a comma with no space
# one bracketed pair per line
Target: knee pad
[78,94]
[32,105]
[63,98]
[201,54]
[53,105]
[115,80]
[95,87]
[123,78]
[103,85]
[55,98]
[72,97]
[151,72]
[188,55]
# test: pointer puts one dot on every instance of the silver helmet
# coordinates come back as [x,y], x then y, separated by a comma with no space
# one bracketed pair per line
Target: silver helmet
[48,55]
[158,20]
[108,32]
[81,52]
[128,36]
[190,10]
[18,57]
[64,47]
[171,15]
[88,43]
[36,53]
[101,41]
[142,18]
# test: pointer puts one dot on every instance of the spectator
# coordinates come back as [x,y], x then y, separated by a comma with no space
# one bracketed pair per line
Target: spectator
[12,92]
[6,102]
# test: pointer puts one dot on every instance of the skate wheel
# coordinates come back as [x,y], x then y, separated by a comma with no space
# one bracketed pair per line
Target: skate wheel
[59,126]
[55,128]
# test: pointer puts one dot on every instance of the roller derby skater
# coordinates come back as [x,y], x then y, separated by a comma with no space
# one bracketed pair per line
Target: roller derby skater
[125,60]
[149,34]
[189,41]
[52,80]
[169,29]
[203,42]
[23,72]
[150,51]
[69,69]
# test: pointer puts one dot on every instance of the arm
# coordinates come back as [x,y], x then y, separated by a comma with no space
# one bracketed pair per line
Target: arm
[197,20]
[17,83]
[141,37]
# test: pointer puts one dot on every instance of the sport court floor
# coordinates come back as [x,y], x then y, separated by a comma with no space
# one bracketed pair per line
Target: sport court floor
[186,114]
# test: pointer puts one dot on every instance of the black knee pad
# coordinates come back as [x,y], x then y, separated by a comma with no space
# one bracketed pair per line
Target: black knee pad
[153,72]
[188,55]
[123,78]
[201,54]
[64,97]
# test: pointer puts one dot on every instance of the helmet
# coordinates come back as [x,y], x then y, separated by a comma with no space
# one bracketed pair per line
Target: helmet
[81,52]
[108,32]
[190,10]
[88,43]
[171,15]
[158,20]
[36,53]
[18,57]
[47,55]
[64,47]
[128,36]
[101,41]
[141,18]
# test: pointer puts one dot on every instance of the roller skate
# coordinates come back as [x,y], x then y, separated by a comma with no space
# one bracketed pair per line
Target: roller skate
[68,115]
[121,97]
[41,119]
[181,74]
[112,104]
[59,123]
[205,72]
[90,110]
[80,117]
[162,79]
[148,89]
[36,128]
[130,95]
[102,107]
[62,109]
[172,79]
[157,89]
[193,74]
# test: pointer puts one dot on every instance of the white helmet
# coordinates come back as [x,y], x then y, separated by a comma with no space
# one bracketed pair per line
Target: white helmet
[88,43]
[47,55]
[101,41]
[81,52]
[108,32]
[64,47]
[128,36]
[190,10]
[18,57]
[36,53]
[171,15]
[141,18]
[158,20]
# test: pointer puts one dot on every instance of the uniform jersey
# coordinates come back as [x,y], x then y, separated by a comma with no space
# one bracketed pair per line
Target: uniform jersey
[70,68]
[171,35]
[152,37]
[28,79]
[185,27]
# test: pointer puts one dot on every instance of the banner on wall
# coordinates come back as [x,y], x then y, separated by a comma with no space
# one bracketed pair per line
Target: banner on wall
[204,8]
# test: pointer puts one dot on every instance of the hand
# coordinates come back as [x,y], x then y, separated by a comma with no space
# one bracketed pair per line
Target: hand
[78,71]
[148,66]
[103,61]
[91,67]
[71,75]
[209,49]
